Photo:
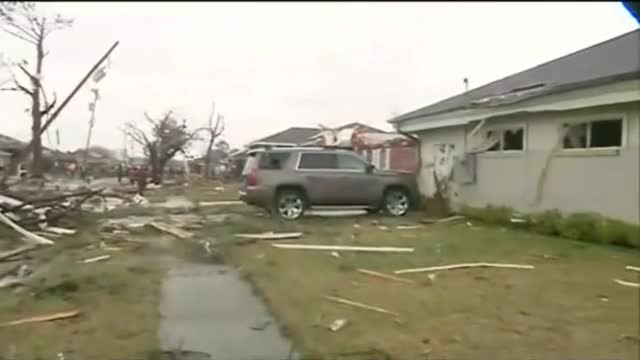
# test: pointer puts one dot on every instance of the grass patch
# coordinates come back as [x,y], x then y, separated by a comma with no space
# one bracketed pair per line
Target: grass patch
[463,314]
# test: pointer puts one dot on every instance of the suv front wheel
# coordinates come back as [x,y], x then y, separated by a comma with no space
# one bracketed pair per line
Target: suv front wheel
[290,204]
[396,202]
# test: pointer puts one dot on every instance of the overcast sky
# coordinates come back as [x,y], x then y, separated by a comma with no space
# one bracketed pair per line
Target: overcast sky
[269,66]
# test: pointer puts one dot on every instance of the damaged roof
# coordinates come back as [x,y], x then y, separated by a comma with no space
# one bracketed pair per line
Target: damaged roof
[611,60]
[292,135]
[9,143]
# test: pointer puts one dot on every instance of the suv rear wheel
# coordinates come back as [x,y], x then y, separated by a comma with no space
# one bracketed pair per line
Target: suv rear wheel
[290,204]
[396,202]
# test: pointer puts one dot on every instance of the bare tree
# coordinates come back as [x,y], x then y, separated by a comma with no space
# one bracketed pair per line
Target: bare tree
[22,21]
[214,131]
[167,138]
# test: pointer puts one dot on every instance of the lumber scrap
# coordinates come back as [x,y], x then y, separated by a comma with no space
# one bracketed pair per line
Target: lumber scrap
[270,236]
[36,239]
[95,259]
[59,230]
[408,227]
[627,283]
[451,218]
[633,268]
[361,306]
[344,248]
[220,203]
[11,253]
[385,276]
[172,230]
[464,266]
[42,318]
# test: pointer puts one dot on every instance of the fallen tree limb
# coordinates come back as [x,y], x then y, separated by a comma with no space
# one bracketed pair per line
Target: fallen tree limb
[54,199]
[360,305]
[36,239]
[627,283]
[270,236]
[464,266]
[49,317]
[342,248]
[633,268]
[385,276]
[14,252]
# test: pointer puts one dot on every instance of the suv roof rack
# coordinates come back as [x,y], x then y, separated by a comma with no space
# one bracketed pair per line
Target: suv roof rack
[308,147]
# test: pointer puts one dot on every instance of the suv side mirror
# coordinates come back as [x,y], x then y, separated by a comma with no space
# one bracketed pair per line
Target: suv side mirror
[369,169]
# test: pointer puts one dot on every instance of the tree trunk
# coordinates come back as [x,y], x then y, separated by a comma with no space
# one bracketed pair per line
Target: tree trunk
[36,116]
[207,157]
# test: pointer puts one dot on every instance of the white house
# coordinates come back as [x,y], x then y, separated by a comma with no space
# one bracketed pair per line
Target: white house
[562,135]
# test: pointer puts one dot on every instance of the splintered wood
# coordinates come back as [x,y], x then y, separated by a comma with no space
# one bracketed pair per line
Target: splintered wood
[361,306]
[49,317]
[343,248]
[172,230]
[385,276]
[14,252]
[36,239]
[270,236]
[464,266]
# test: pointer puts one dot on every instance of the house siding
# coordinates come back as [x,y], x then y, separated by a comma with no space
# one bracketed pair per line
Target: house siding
[607,182]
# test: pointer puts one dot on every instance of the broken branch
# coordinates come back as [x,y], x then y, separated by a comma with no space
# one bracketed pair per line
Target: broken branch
[36,239]
[464,266]
[384,276]
[50,317]
[14,252]
[360,305]
[627,283]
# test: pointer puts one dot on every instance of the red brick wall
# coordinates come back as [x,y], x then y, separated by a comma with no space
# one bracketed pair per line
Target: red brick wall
[404,159]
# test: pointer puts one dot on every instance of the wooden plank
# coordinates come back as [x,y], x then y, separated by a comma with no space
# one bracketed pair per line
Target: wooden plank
[49,317]
[384,276]
[97,258]
[36,239]
[464,266]
[633,268]
[344,248]
[172,230]
[360,305]
[270,236]
[627,283]
[14,252]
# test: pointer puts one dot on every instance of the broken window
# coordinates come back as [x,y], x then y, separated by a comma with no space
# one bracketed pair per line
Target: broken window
[506,140]
[593,134]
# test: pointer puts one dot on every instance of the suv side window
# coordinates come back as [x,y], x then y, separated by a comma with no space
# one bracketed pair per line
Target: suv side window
[317,161]
[273,160]
[350,162]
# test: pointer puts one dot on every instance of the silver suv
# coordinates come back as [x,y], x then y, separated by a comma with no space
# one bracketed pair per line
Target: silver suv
[288,181]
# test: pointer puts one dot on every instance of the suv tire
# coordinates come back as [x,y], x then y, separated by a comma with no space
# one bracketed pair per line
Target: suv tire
[396,202]
[290,204]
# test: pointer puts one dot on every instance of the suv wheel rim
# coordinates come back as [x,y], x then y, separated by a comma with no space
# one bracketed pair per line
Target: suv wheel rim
[290,207]
[397,203]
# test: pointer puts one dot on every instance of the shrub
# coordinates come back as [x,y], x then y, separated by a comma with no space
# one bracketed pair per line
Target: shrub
[616,232]
[580,226]
[547,222]
[490,214]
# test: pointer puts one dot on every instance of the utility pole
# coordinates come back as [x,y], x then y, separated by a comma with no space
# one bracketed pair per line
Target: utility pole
[92,120]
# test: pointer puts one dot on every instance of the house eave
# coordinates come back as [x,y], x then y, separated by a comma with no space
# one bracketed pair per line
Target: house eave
[607,94]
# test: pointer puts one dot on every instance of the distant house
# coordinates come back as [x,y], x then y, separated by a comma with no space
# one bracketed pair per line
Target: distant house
[9,148]
[562,135]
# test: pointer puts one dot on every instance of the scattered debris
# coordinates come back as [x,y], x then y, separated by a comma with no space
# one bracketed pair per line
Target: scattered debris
[385,276]
[360,305]
[408,227]
[343,248]
[36,239]
[451,218]
[633,268]
[630,337]
[335,254]
[140,200]
[627,283]
[219,203]
[172,230]
[603,298]
[43,318]
[11,253]
[218,188]
[357,226]
[383,228]
[463,266]
[59,231]
[270,236]
[95,259]
[518,220]
[261,326]
[432,277]
[338,324]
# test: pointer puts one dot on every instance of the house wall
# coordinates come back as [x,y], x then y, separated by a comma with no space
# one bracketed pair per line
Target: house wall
[397,158]
[598,180]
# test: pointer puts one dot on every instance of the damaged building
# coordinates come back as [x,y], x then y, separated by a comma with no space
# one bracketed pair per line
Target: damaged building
[562,135]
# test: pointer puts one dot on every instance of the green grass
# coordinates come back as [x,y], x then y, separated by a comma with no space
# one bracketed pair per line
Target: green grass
[552,310]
